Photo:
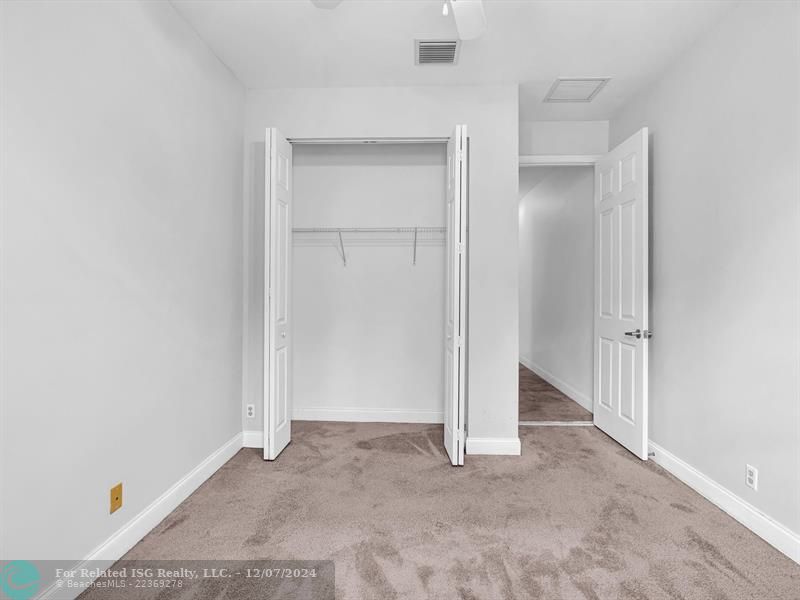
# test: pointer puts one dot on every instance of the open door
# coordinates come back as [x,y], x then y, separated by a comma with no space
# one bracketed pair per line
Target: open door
[277,291]
[456,296]
[621,294]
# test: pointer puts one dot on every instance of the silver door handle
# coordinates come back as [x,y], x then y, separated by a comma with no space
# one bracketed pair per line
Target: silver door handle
[638,333]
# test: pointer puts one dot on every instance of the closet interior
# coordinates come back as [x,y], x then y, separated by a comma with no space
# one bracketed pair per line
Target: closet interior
[369,281]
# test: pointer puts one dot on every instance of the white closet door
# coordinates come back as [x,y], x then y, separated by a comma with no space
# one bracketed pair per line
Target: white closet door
[277,294]
[621,294]
[456,296]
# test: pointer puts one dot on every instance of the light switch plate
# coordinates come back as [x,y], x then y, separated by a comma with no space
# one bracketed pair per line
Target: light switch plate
[115,498]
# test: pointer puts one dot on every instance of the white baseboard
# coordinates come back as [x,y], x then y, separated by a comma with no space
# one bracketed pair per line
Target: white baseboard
[556,424]
[494,446]
[368,415]
[748,515]
[561,385]
[127,536]
[253,439]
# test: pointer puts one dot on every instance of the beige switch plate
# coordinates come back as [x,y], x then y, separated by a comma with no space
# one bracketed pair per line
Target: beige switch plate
[116,498]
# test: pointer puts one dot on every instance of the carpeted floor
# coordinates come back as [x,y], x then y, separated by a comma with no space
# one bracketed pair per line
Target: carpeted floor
[540,401]
[575,517]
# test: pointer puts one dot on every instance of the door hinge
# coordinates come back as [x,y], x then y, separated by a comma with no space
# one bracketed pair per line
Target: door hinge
[459,155]
[460,341]
[460,247]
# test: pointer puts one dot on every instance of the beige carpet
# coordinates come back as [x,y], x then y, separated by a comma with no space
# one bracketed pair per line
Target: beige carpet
[575,517]
[540,401]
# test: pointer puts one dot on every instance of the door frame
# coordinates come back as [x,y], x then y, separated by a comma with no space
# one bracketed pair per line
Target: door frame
[565,160]
[265,255]
[558,160]
[581,160]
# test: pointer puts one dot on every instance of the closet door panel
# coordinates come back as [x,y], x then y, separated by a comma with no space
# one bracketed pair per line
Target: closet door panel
[277,295]
[455,305]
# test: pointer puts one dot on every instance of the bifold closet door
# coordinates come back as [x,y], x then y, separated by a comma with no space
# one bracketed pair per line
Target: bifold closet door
[621,293]
[456,296]
[277,294]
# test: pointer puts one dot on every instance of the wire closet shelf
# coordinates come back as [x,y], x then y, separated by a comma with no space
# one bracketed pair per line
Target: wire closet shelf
[340,230]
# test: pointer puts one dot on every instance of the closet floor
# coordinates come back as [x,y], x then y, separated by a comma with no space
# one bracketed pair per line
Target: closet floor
[575,517]
[540,401]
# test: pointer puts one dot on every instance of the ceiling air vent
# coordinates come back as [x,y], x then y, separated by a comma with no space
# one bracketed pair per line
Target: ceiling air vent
[575,89]
[436,52]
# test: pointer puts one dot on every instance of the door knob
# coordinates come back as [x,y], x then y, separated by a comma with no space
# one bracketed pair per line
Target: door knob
[283,334]
[637,333]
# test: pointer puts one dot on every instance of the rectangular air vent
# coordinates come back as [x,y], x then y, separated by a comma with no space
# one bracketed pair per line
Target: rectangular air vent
[436,52]
[575,89]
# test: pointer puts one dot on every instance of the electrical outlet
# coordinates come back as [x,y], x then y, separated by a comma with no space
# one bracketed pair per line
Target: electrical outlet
[251,411]
[115,498]
[751,477]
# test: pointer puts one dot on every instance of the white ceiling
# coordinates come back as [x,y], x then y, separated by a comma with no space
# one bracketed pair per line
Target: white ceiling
[291,43]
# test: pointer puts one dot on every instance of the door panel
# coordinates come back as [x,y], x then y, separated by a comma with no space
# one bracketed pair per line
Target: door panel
[282,263]
[606,367]
[282,386]
[606,251]
[456,297]
[627,262]
[627,380]
[621,293]
[277,295]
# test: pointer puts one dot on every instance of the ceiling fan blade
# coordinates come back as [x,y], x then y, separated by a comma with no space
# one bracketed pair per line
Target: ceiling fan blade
[469,17]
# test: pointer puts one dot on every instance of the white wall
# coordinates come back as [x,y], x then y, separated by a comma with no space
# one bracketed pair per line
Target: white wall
[121,265]
[556,277]
[724,361]
[491,114]
[563,137]
[368,337]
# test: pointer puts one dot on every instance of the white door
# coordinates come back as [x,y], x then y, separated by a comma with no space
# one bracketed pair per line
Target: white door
[456,296]
[277,290]
[621,294]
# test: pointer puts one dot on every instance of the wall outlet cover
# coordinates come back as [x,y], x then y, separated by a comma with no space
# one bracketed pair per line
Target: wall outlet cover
[251,411]
[751,477]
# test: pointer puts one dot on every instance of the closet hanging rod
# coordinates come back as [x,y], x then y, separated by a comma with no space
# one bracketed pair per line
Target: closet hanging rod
[368,229]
